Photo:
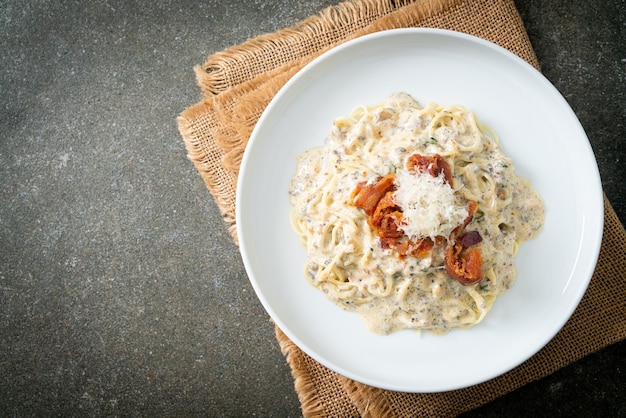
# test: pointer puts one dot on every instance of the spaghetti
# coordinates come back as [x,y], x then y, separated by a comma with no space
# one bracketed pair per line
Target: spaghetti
[412,216]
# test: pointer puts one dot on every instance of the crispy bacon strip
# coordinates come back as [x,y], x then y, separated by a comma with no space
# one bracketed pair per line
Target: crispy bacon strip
[470,238]
[387,218]
[367,196]
[434,165]
[463,265]
[466,268]
[407,247]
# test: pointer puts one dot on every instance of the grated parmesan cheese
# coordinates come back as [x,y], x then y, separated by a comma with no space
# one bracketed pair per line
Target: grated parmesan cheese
[429,205]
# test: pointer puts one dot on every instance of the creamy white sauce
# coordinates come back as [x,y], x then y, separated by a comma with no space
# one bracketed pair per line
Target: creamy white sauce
[346,259]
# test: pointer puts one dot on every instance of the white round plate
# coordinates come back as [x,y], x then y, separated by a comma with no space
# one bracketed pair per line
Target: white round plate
[537,129]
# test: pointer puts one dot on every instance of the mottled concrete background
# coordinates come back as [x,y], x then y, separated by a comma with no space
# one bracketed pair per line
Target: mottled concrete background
[121,292]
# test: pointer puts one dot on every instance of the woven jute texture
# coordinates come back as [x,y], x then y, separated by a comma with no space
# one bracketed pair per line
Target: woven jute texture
[238,83]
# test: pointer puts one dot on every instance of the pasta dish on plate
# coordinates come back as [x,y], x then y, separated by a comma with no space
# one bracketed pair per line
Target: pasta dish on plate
[412,216]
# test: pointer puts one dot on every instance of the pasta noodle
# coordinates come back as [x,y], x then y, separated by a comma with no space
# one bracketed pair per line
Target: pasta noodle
[412,216]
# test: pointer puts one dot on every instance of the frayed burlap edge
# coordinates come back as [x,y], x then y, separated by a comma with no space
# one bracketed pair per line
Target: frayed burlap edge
[316,401]
[217,130]
[252,58]
[235,111]
[337,24]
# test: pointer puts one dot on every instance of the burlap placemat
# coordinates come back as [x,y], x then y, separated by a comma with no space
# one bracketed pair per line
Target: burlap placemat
[239,82]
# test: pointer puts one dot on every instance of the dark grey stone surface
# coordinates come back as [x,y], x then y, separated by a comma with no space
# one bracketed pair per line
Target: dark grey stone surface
[121,292]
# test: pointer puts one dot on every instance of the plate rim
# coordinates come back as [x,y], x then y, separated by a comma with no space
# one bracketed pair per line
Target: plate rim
[295,79]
